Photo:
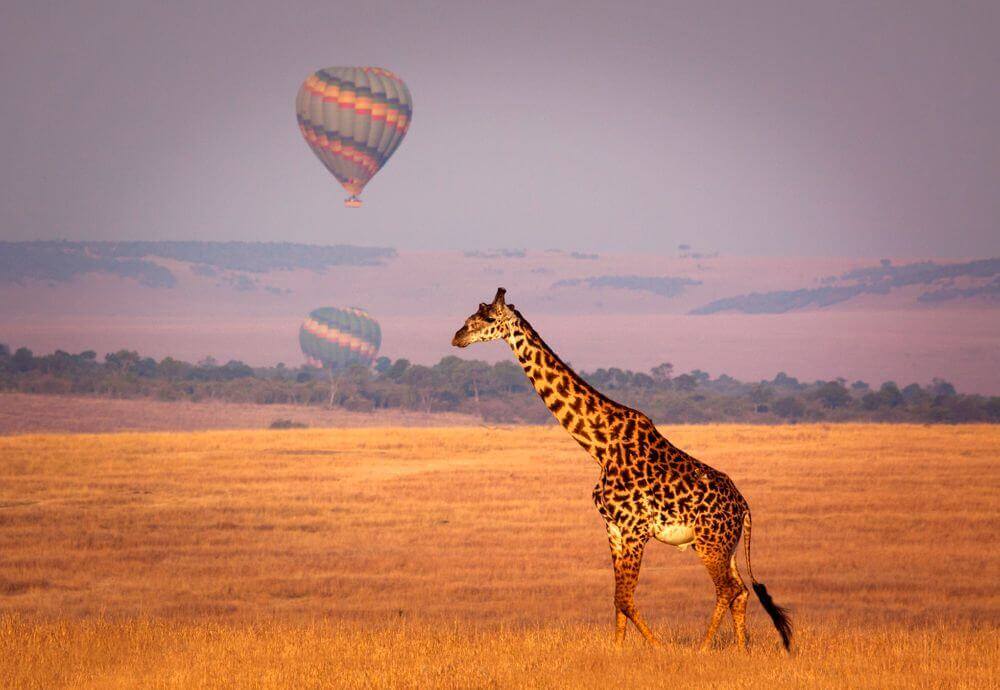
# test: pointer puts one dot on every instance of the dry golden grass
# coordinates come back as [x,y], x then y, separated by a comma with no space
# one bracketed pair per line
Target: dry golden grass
[474,557]
[98,654]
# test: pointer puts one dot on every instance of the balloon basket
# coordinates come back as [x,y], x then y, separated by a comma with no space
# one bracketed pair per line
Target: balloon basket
[352,202]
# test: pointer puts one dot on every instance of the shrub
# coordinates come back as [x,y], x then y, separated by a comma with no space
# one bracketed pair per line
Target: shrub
[287,424]
[789,407]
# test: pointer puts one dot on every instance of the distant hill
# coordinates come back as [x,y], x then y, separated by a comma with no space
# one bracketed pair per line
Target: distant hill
[664,286]
[62,261]
[980,279]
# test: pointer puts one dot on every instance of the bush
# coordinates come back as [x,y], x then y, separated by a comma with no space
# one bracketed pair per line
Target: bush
[287,424]
[833,395]
[789,408]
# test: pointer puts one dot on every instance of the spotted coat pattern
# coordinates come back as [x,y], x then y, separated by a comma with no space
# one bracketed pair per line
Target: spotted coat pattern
[648,488]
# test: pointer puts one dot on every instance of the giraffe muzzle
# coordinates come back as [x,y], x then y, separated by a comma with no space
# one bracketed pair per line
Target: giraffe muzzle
[460,338]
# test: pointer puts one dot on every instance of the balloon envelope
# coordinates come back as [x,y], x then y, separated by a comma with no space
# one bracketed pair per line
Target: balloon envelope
[337,338]
[354,119]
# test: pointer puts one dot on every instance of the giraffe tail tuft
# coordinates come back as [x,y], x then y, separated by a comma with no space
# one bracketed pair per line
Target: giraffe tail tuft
[779,614]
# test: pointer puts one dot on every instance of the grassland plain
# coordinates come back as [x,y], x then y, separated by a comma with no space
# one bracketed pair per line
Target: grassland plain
[473,557]
[22,413]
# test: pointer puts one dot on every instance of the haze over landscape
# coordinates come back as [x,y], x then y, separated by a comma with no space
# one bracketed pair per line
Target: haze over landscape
[775,128]
[746,317]
[689,159]
[691,155]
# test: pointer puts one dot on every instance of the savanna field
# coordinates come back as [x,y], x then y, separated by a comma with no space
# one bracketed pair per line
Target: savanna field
[473,557]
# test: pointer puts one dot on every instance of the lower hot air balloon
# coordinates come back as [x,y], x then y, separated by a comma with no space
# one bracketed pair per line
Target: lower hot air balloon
[354,119]
[334,338]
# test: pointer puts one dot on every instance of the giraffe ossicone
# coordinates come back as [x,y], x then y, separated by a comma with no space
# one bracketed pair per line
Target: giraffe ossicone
[647,488]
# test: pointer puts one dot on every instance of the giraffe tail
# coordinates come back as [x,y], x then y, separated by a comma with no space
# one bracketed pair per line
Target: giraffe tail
[779,615]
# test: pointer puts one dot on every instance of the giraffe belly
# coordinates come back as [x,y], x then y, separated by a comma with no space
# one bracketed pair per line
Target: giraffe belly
[681,536]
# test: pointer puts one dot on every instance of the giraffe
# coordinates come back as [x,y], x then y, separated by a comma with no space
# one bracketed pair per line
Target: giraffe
[647,488]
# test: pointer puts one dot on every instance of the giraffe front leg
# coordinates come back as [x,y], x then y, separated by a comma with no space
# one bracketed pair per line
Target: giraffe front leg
[621,624]
[626,556]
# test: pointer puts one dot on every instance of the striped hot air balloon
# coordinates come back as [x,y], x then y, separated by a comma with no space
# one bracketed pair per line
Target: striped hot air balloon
[335,338]
[354,118]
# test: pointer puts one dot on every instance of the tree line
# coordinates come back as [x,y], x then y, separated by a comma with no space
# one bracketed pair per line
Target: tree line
[496,392]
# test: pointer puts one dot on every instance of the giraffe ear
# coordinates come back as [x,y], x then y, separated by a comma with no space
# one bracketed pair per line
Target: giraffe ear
[498,300]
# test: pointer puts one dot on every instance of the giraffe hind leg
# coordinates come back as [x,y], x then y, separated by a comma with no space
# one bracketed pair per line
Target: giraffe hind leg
[730,595]
[738,606]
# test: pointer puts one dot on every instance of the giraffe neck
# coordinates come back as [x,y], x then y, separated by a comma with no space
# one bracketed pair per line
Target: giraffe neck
[577,405]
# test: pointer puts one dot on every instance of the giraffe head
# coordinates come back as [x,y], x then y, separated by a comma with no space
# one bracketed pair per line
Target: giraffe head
[489,322]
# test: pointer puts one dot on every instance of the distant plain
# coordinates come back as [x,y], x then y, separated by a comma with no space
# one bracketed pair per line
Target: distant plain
[420,298]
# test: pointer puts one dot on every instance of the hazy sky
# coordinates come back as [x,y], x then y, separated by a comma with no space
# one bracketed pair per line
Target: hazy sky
[746,127]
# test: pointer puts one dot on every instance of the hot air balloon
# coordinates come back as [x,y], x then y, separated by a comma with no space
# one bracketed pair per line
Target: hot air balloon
[353,118]
[334,338]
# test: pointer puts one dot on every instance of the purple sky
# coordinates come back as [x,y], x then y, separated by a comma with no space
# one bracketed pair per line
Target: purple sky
[751,128]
